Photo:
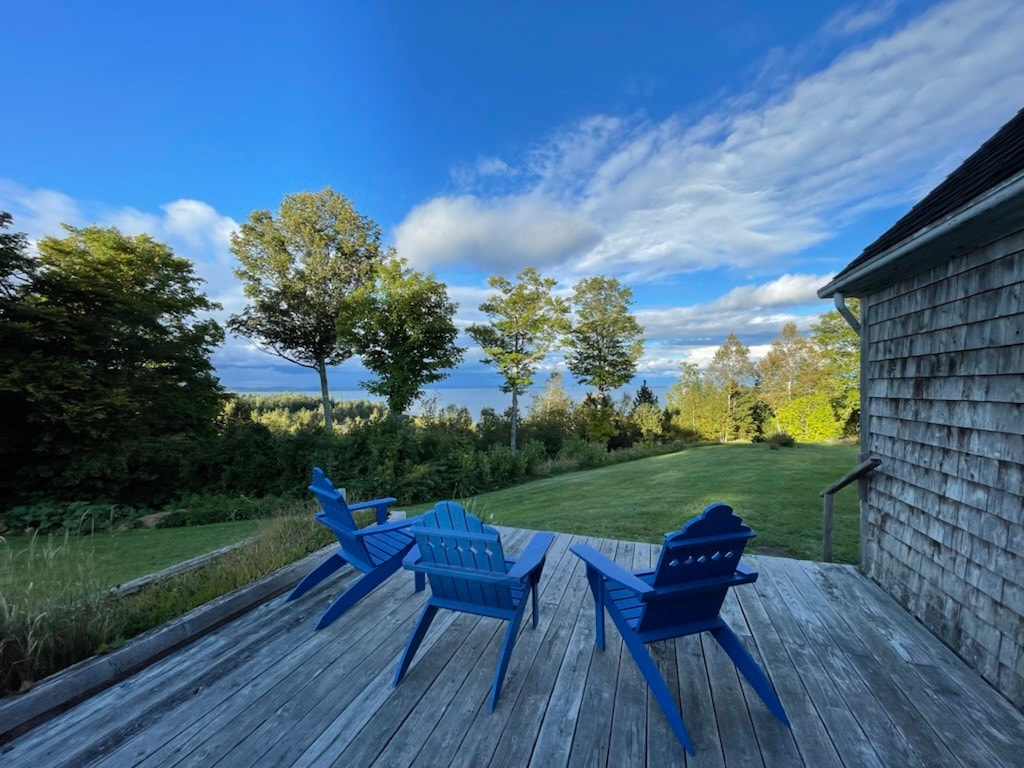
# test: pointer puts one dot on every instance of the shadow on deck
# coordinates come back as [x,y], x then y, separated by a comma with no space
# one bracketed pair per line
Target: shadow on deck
[863,683]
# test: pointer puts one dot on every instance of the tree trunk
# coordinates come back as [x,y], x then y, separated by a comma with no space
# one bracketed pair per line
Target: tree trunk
[515,418]
[325,396]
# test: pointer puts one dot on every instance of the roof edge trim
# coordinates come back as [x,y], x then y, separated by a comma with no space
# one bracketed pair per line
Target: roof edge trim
[983,202]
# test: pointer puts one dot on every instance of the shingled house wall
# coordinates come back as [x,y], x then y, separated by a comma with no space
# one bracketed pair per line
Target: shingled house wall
[944,392]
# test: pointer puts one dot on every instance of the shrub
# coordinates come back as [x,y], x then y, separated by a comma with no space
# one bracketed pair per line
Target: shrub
[585,455]
[72,517]
[198,509]
[781,440]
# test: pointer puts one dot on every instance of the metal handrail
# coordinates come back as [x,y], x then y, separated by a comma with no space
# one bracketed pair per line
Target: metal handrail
[862,469]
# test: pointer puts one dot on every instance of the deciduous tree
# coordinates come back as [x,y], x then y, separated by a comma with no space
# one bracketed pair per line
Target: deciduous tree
[790,369]
[839,345]
[524,324]
[732,372]
[402,328]
[606,341]
[301,270]
[106,349]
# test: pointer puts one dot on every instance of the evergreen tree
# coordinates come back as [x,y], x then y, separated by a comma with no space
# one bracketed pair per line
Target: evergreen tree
[645,396]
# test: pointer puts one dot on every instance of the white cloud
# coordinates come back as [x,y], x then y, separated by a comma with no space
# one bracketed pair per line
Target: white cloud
[502,234]
[785,291]
[198,224]
[767,175]
[38,212]
[755,313]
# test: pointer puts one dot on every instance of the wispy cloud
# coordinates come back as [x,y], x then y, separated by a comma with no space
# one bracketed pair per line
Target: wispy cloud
[765,176]
[859,18]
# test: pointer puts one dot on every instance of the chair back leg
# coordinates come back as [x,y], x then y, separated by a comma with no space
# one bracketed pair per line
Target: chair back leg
[656,683]
[597,590]
[318,574]
[354,594]
[755,676]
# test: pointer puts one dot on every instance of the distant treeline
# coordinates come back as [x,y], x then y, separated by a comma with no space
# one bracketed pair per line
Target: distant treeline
[108,393]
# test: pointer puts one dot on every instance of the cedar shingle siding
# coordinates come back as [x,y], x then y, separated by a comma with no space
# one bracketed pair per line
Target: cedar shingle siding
[942,368]
[944,392]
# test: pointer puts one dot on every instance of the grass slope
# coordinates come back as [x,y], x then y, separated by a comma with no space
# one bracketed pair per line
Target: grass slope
[776,492]
[116,557]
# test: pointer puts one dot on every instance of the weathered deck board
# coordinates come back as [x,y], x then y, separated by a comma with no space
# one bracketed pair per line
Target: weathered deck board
[863,684]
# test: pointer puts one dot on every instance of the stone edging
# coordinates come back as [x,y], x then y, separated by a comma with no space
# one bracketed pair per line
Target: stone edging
[59,692]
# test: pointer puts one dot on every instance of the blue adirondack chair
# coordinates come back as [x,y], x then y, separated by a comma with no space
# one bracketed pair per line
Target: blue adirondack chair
[681,596]
[468,572]
[377,550]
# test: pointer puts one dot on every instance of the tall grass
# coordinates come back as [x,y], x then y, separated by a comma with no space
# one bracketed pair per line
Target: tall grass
[62,614]
[54,614]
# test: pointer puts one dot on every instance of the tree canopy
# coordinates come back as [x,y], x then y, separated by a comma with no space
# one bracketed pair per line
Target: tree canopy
[524,323]
[301,270]
[606,341]
[105,355]
[839,346]
[790,369]
[402,328]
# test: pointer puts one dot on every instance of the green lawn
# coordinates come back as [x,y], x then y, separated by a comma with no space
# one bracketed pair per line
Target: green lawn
[115,558]
[775,491]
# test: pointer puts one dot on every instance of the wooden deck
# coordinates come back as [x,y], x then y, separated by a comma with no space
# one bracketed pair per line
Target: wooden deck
[862,682]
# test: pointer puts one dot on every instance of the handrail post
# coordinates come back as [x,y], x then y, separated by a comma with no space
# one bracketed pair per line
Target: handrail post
[826,552]
[862,469]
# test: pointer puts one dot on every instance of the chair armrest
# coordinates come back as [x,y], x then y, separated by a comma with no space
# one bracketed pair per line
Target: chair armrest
[413,558]
[532,556]
[749,573]
[740,577]
[381,505]
[394,525]
[610,569]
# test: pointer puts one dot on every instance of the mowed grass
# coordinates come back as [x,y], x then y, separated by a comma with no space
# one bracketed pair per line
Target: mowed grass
[116,557]
[776,492]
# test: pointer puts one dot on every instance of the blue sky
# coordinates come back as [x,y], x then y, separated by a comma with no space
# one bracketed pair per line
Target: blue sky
[723,159]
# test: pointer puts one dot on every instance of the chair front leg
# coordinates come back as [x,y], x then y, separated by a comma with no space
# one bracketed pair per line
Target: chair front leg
[656,683]
[429,611]
[420,581]
[506,653]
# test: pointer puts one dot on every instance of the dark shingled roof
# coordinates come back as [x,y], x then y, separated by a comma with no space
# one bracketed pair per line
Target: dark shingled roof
[999,158]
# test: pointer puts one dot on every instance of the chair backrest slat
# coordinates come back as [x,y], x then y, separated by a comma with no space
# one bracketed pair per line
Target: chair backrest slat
[456,542]
[335,509]
[708,547]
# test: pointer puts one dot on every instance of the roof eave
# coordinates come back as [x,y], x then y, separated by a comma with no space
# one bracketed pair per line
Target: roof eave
[1001,204]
